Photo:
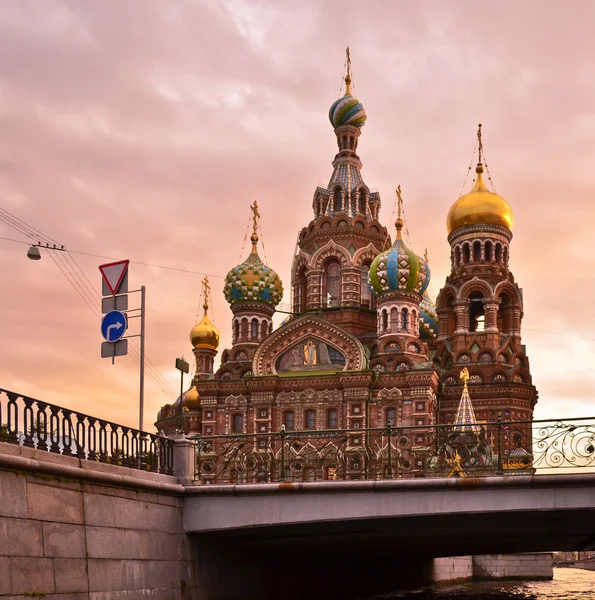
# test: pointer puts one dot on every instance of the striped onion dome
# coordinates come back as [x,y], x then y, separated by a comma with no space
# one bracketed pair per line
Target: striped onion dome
[398,268]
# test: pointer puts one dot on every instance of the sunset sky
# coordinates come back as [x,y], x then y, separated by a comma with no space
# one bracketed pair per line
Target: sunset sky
[144,129]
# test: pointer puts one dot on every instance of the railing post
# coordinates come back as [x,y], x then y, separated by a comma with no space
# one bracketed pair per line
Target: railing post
[389,430]
[499,443]
[184,460]
[282,434]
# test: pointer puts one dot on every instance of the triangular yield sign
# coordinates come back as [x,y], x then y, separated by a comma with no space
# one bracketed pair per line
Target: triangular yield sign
[113,273]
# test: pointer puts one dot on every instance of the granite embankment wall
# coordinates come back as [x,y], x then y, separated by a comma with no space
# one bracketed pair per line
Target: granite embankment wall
[72,529]
[513,566]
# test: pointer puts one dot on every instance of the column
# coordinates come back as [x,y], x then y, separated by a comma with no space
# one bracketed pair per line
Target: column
[461,307]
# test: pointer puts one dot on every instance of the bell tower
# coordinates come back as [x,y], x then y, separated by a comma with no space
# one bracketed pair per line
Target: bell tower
[480,308]
[330,270]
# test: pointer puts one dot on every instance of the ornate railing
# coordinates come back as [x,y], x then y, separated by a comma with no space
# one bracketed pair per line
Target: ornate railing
[47,427]
[495,448]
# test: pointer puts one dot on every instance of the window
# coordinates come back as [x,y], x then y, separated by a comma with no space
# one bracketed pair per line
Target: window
[391,416]
[384,320]
[331,419]
[236,330]
[288,420]
[302,286]
[404,317]
[254,329]
[238,424]
[333,284]
[361,202]
[337,200]
[310,419]
[476,312]
[366,291]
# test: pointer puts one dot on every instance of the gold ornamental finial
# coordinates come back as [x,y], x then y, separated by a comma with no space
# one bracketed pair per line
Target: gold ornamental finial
[399,221]
[464,375]
[255,217]
[348,76]
[206,291]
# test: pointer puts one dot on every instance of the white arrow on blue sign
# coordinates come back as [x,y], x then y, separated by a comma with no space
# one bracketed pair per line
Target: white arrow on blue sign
[113,326]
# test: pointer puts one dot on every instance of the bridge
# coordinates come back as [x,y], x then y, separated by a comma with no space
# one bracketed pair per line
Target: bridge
[89,506]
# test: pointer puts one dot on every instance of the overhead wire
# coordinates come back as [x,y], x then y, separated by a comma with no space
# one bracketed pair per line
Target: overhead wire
[68,266]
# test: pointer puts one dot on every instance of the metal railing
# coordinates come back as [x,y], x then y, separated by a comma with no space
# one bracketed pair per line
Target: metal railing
[494,448]
[47,427]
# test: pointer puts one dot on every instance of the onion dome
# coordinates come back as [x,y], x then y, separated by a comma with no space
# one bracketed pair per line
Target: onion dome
[192,399]
[480,205]
[253,281]
[398,268]
[347,110]
[428,318]
[204,334]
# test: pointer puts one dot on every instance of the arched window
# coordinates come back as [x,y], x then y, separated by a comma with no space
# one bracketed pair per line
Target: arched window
[288,420]
[238,423]
[301,291]
[333,284]
[254,329]
[413,321]
[503,319]
[465,253]
[404,318]
[361,202]
[505,261]
[384,320]
[337,201]
[310,419]
[488,251]
[476,312]
[477,251]
[331,418]
[365,287]
[498,252]
[264,328]
[457,256]
[236,330]
[390,417]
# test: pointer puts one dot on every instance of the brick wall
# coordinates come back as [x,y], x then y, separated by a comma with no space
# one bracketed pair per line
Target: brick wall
[73,529]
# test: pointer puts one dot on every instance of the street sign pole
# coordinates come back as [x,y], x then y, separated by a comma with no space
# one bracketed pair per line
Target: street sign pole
[142,358]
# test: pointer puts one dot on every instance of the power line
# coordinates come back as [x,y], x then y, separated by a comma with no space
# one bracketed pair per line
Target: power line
[68,266]
[135,262]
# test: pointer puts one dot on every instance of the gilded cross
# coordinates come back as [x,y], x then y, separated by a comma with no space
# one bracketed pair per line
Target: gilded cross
[255,216]
[206,290]
[348,76]
[399,201]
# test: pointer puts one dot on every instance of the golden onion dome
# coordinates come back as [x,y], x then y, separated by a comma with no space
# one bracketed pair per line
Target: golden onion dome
[479,206]
[204,334]
[192,399]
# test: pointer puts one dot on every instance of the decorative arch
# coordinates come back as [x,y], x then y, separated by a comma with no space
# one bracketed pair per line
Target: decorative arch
[309,327]
[446,292]
[369,252]
[389,395]
[507,286]
[330,250]
[475,285]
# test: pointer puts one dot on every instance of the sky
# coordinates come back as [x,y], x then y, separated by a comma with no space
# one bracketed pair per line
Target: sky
[143,130]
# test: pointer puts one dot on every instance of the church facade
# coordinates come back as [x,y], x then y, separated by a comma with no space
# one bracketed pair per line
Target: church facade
[365,346]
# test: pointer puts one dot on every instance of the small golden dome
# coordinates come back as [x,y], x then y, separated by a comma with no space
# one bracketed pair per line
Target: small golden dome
[204,334]
[479,206]
[192,399]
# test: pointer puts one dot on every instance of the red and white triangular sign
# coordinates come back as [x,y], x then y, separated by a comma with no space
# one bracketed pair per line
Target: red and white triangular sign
[113,273]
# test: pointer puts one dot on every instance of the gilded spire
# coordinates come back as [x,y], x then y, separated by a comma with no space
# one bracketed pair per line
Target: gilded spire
[465,417]
[255,217]
[348,76]
[206,291]
[399,221]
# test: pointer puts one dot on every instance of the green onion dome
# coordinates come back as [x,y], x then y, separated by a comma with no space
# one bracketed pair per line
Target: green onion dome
[398,268]
[253,281]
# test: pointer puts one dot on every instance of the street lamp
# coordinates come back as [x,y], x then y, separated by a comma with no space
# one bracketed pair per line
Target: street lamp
[34,254]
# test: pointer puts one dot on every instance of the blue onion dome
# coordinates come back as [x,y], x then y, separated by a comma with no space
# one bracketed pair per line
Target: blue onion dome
[398,268]
[253,281]
[428,319]
[347,110]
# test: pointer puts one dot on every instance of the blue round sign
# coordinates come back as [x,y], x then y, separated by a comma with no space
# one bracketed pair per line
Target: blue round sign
[113,326]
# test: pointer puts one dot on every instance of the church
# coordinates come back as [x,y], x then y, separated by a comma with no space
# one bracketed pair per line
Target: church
[365,346]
